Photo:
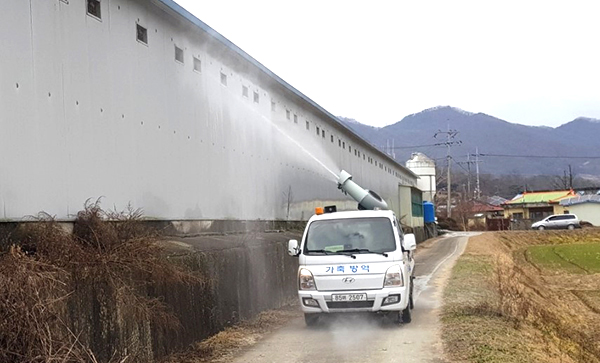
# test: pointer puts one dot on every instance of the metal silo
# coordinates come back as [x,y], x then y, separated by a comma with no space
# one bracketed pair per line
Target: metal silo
[424,167]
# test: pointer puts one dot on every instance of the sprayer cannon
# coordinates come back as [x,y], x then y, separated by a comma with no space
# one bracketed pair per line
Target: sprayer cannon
[367,199]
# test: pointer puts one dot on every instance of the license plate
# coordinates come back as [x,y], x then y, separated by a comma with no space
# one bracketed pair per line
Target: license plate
[349,297]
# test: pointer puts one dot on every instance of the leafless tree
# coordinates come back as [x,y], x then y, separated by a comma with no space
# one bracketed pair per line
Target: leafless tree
[564,182]
[462,212]
[289,199]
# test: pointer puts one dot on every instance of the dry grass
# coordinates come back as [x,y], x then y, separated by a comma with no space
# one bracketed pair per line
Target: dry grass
[32,312]
[501,308]
[225,344]
[473,329]
[45,264]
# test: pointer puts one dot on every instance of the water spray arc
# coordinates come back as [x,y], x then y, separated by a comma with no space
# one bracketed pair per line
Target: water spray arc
[367,199]
[271,122]
[302,148]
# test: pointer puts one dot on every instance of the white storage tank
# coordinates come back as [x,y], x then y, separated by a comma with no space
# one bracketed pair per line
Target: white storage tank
[424,167]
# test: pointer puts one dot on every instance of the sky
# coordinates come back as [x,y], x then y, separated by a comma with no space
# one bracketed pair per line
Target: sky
[528,61]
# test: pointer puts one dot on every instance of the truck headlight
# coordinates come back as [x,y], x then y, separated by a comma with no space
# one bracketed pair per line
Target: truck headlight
[306,281]
[393,277]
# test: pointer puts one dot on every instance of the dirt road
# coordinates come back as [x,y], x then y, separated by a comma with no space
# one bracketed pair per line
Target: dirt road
[368,338]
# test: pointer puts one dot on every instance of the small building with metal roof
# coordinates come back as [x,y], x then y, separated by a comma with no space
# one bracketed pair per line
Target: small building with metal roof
[586,207]
[536,205]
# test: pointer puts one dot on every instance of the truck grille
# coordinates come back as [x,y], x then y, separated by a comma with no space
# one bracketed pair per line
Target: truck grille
[349,304]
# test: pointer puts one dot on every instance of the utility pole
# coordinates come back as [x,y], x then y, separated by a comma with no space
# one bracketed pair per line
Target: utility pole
[449,186]
[468,163]
[450,135]
[469,174]
[570,177]
[477,161]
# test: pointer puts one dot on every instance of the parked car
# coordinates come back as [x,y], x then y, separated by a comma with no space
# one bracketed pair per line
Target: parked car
[558,221]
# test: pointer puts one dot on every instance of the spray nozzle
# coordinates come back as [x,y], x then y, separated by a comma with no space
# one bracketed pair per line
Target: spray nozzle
[366,199]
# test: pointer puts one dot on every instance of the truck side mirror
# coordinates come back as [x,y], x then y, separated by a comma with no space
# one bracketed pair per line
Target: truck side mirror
[293,248]
[409,242]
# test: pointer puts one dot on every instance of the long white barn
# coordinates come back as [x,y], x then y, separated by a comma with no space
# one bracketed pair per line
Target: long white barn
[140,102]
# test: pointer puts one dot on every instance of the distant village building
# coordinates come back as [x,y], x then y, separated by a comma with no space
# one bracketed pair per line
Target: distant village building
[536,206]
[495,200]
[585,207]
[479,213]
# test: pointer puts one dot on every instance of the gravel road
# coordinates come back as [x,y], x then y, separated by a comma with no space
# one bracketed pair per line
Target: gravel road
[368,338]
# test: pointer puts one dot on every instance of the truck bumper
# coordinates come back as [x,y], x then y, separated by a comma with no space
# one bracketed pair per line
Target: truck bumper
[322,302]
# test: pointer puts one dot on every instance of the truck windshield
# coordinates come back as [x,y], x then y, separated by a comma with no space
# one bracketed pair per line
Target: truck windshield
[338,235]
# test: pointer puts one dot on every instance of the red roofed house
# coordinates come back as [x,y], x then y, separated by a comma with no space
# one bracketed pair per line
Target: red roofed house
[481,212]
[473,215]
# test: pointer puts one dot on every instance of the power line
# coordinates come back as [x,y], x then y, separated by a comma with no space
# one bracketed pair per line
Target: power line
[468,170]
[459,163]
[414,146]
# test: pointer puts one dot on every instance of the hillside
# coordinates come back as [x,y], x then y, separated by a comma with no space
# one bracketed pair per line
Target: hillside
[491,135]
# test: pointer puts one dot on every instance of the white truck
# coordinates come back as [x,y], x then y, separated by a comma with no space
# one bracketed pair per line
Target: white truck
[355,261]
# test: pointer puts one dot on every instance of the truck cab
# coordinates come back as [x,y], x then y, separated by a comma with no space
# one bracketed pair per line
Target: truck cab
[355,261]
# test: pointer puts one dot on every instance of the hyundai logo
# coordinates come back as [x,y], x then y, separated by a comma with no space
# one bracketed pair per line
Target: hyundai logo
[348,280]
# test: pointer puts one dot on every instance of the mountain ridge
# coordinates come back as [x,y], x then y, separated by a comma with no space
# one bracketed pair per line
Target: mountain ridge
[540,149]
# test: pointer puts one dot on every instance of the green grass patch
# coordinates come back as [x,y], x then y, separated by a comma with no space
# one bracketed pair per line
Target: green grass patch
[586,256]
[572,258]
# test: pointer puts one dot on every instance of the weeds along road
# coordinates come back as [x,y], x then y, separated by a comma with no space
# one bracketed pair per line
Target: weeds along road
[367,338]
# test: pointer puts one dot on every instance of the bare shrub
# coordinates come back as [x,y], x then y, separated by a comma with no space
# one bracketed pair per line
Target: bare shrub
[32,312]
[113,251]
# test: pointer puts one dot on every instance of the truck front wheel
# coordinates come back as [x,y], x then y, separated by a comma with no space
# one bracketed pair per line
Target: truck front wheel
[411,298]
[311,319]
[394,317]
[406,315]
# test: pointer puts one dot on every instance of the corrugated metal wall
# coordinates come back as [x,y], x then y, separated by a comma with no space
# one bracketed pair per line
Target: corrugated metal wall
[87,110]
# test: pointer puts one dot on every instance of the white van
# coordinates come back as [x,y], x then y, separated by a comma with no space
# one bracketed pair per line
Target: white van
[357,261]
[558,221]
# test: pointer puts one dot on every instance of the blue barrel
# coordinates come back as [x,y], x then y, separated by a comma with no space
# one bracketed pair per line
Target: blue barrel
[428,212]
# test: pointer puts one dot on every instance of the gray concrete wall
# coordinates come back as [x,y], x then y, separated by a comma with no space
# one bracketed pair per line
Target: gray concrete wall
[86,110]
[245,274]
